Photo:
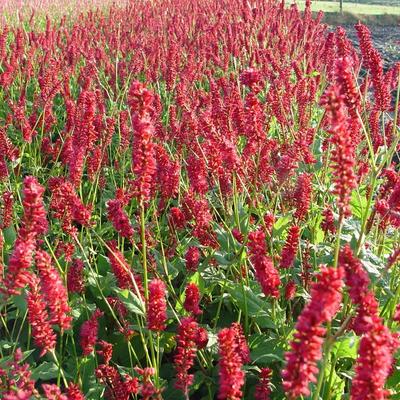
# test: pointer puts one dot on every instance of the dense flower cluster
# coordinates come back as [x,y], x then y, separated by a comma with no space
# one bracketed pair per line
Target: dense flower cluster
[289,250]
[156,306]
[89,332]
[119,219]
[38,317]
[231,375]
[54,291]
[192,299]
[174,174]
[33,224]
[306,347]
[185,353]
[266,273]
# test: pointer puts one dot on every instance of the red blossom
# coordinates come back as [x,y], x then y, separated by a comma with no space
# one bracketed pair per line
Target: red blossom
[89,331]
[192,299]
[38,317]
[231,375]
[156,306]
[186,348]
[75,283]
[266,273]
[74,393]
[306,347]
[54,291]
[118,217]
[263,387]
[192,258]
[289,250]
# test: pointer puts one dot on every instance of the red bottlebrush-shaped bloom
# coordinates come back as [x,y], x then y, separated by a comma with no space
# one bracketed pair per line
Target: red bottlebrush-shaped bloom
[201,338]
[168,173]
[42,332]
[67,206]
[18,274]
[74,393]
[374,364]
[88,333]
[186,348]
[34,219]
[143,157]
[34,223]
[266,273]
[290,290]
[156,306]
[196,169]
[54,291]
[177,218]
[7,210]
[84,135]
[394,199]
[192,259]
[302,196]
[242,347]
[15,380]
[306,347]
[348,86]
[3,168]
[251,77]
[53,392]
[123,272]
[75,283]
[147,389]
[263,388]
[343,159]
[357,280]
[119,219]
[117,389]
[106,351]
[393,258]
[192,299]
[285,166]
[373,61]
[198,209]
[289,250]
[269,221]
[328,222]
[237,235]
[231,375]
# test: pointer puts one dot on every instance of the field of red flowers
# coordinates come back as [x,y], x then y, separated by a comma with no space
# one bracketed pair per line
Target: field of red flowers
[198,200]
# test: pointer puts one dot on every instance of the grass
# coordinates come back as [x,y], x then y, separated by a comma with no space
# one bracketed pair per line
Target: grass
[353,8]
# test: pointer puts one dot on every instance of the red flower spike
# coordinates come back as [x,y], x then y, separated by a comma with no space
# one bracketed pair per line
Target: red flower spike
[186,349]
[289,250]
[306,347]
[42,332]
[192,299]
[88,333]
[156,306]
[266,273]
[231,375]
[263,388]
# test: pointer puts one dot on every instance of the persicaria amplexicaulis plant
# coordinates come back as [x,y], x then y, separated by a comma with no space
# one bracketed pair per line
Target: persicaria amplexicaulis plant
[198,200]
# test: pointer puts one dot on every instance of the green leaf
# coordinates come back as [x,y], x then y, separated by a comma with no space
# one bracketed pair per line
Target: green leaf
[346,347]
[358,204]
[265,350]
[250,303]
[132,302]
[45,371]
[9,236]
[281,224]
